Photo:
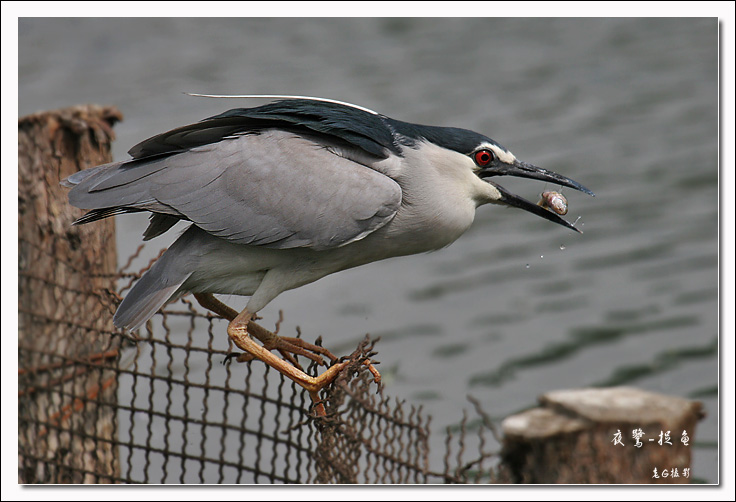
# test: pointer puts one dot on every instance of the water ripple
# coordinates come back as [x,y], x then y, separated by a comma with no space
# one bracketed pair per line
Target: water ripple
[579,339]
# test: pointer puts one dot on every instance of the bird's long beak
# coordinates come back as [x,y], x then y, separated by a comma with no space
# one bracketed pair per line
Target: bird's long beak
[524,170]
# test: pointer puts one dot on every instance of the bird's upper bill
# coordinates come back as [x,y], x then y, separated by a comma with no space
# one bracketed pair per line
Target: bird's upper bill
[524,170]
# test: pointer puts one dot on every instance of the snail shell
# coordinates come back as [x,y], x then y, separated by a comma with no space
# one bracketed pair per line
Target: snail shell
[554,201]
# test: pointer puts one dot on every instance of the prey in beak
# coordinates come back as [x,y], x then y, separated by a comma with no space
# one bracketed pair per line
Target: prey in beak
[524,170]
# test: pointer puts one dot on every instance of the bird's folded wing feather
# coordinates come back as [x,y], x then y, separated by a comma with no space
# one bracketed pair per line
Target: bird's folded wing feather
[273,188]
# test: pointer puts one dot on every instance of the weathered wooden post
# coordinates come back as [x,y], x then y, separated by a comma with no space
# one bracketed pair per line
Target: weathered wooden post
[607,435]
[66,394]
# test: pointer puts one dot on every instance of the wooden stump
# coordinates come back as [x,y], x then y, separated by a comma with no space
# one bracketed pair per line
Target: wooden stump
[66,280]
[587,436]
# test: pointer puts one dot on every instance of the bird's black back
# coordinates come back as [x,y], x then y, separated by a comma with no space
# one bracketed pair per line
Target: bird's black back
[375,134]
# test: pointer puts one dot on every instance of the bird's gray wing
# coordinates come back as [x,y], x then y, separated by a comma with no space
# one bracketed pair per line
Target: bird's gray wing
[273,188]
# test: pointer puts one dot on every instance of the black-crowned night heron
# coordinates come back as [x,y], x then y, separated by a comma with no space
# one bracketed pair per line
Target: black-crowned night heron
[286,193]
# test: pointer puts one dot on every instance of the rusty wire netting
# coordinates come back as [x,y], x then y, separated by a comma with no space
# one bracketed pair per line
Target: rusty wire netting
[98,406]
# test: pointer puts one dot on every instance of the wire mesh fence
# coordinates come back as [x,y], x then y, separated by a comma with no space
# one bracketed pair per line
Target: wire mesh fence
[169,406]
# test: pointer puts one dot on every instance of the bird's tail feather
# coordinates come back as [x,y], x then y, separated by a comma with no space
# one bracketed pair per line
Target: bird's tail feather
[144,300]
[161,282]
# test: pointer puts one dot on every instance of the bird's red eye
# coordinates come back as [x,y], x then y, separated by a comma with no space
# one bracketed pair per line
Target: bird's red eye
[483,157]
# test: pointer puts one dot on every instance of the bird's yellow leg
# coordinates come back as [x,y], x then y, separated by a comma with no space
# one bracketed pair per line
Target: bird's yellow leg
[241,327]
[285,345]
[238,332]
[208,301]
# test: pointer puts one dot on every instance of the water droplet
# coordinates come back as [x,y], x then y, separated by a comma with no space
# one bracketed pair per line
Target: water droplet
[562,247]
[541,256]
[527,265]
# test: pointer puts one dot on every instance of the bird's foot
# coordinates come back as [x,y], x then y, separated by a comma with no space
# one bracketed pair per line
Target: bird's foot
[287,346]
[239,334]
[242,326]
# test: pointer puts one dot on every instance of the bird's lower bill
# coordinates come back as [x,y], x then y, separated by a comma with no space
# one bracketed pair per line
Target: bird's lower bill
[516,201]
[524,170]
